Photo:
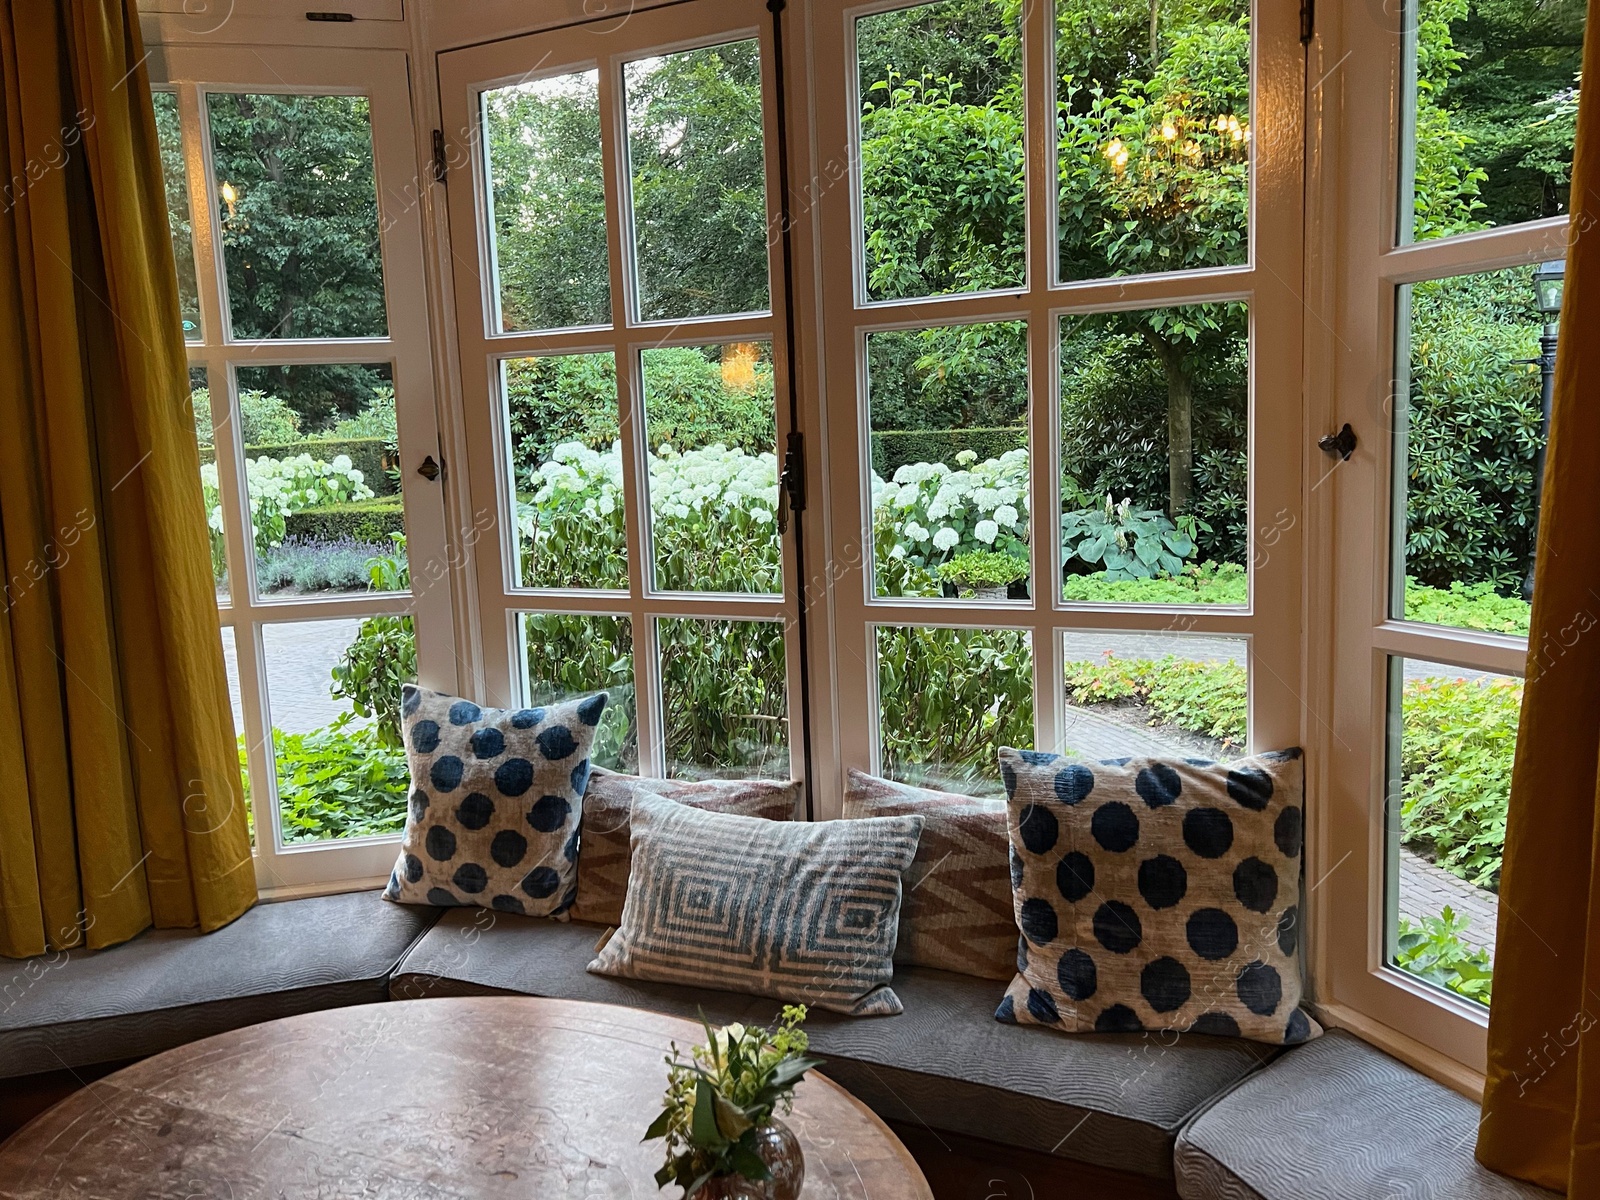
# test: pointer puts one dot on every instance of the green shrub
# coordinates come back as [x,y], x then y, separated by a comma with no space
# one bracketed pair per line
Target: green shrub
[573,398]
[339,781]
[1201,583]
[1435,952]
[1209,698]
[266,420]
[1458,740]
[983,568]
[383,658]
[950,698]
[374,520]
[1467,606]
[376,420]
[895,448]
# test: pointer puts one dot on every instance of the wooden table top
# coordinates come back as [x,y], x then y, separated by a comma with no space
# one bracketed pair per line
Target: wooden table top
[432,1099]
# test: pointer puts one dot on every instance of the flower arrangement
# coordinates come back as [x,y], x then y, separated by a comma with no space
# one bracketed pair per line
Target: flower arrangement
[723,1094]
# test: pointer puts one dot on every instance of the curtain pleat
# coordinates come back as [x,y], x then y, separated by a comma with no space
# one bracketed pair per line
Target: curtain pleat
[120,799]
[1541,1106]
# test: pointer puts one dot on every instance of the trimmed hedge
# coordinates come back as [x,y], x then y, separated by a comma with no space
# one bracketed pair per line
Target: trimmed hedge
[894,448]
[366,455]
[363,520]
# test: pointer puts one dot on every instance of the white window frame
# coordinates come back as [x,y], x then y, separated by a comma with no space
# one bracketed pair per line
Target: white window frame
[381,75]
[604,46]
[1355,266]
[1270,622]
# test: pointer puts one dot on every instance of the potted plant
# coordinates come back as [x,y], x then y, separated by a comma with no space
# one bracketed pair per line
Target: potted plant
[724,1139]
[983,574]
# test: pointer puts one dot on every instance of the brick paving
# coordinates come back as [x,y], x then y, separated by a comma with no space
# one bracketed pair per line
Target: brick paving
[1425,890]
[300,660]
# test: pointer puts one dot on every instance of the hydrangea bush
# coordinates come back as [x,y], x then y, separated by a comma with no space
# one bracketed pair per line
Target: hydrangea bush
[278,488]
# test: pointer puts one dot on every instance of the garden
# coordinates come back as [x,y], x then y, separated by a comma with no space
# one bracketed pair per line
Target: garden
[1153,124]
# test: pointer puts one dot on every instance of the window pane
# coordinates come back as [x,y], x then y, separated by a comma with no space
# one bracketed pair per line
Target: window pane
[569,654]
[566,469]
[322,467]
[1166,694]
[205,437]
[942,161]
[724,698]
[298,215]
[699,182]
[1155,419]
[948,413]
[333,696]
[230,659]
[1469,437]
[1153,137]
[547,186]
[948,699]
[176,182]
[1450,765]
[712,434]
[1489,112]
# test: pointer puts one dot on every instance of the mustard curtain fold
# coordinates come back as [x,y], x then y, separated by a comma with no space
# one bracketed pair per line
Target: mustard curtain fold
[1541,1104]
[120,798]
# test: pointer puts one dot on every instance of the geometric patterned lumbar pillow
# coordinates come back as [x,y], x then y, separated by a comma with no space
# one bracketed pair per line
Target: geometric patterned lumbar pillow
[801,911]
[956,913]
[496,798]
[606,847]
[1157,893]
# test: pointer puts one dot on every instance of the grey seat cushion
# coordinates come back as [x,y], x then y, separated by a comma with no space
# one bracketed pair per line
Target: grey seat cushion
[1115,1100]
[171,986]
[1341,1120]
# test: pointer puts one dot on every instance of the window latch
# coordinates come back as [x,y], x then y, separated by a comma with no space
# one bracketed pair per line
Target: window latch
[1342,443]
[430,470]
[792,480]
[441,161]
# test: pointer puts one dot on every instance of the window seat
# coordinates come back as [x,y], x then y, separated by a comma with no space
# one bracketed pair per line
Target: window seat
[1116,1101]
[171,986]
[1337,1119]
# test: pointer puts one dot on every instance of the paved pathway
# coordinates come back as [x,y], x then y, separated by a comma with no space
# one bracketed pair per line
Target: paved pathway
[300,658]
[1425,890]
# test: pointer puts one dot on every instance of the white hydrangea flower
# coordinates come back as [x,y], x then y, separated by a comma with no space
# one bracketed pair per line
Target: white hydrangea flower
[945,538]
[967,457]
[986,531]
[1005,515]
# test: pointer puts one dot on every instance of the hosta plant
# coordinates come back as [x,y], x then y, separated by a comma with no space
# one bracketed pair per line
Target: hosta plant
[1127,542]
[721,1093]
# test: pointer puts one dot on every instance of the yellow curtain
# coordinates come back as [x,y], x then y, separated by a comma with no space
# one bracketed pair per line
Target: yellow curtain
[120,801]
[1541,1104]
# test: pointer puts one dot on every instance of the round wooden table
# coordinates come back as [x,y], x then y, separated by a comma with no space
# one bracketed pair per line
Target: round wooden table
[415,1100]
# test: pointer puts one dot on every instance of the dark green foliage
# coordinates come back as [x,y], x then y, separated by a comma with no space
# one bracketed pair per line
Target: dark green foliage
[573,399]
[1513,97]
[892,448]
[948,378]
[301,242]
[699,197]
[372,520]
[320,396]
[383,658]
[339,781]
[1474,430]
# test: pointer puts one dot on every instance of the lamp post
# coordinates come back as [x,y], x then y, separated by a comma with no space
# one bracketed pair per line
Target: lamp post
[1548,279]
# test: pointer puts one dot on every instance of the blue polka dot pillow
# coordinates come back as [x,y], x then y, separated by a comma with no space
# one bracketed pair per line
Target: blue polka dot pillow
[1157,894]
[496,801]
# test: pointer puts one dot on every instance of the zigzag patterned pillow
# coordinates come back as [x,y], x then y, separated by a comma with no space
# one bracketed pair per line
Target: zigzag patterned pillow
[1157,894]
[801,911]
[496,797]
[607,827]
[956,914]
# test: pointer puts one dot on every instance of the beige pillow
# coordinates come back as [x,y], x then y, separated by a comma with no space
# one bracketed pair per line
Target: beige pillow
[956,911]
[607,811]
[803,911]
